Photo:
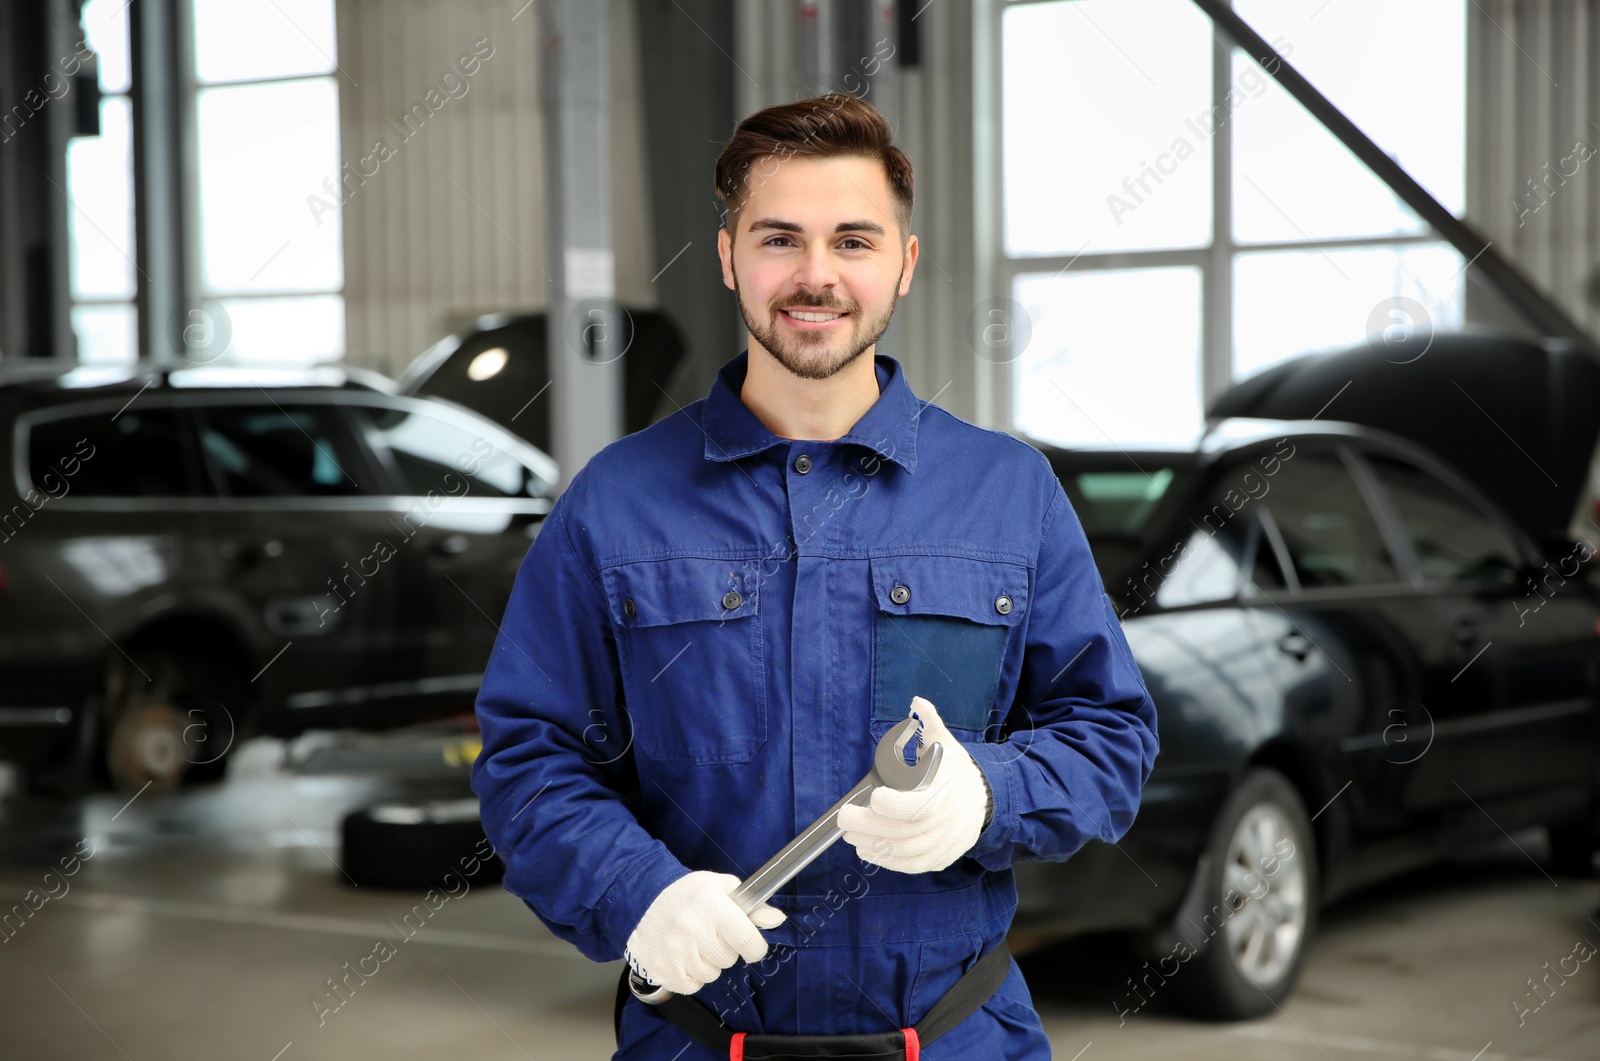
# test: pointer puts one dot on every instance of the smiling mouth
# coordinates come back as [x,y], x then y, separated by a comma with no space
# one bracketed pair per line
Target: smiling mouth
[813,316]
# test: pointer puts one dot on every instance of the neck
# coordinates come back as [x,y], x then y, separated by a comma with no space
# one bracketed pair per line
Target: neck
[812,409]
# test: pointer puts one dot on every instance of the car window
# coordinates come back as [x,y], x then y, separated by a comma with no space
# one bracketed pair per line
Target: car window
[445,457]
[1455,541]
[1206,568]
[128,453]
[280,450]
[1325,524]
[1210,563]
[1266,576]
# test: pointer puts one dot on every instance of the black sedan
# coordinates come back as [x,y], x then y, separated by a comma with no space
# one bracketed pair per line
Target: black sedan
[1360,665]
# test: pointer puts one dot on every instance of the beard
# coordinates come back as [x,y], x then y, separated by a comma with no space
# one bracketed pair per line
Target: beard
[818,355]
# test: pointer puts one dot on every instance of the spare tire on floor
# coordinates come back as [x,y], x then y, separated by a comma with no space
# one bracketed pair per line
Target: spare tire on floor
[418,844]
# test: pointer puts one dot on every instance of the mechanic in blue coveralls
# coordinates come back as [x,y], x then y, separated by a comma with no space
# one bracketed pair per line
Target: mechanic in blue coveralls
[724,612]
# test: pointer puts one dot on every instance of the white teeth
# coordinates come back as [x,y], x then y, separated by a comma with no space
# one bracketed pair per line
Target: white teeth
[814,317]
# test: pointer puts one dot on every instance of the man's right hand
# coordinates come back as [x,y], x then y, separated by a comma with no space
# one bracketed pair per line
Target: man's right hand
[693,930]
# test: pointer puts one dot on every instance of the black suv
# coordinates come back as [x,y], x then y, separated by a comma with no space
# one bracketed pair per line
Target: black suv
[194,556]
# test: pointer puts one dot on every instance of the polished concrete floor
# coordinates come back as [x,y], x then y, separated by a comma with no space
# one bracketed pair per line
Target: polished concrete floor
[204,925]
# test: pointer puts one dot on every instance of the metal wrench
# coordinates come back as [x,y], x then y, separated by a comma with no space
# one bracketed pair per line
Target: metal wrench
[889,769]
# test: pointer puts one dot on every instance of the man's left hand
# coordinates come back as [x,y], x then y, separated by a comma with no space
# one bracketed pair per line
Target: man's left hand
[925,830]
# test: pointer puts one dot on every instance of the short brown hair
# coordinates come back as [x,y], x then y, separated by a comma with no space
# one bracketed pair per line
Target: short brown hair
[828,126]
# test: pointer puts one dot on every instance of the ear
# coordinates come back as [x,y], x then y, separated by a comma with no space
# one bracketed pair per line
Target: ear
[725,253]
[910,268]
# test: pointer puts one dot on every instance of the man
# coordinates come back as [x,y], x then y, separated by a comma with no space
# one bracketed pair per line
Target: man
[724,612]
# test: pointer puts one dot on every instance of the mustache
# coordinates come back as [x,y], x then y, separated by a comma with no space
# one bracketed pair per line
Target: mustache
[829,306]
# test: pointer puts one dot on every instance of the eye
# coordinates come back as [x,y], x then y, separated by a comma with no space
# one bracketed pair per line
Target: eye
[773,241]
[857,239]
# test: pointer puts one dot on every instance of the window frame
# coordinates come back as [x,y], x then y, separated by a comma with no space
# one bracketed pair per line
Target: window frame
[1215,261]
[194,251]
[131,252]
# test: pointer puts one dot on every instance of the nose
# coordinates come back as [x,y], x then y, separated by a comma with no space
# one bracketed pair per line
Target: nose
[816,273]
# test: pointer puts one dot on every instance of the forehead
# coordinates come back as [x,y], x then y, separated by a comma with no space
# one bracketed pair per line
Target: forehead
[817,193]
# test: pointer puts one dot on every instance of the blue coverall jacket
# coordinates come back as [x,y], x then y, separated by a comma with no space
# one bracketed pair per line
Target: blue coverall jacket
[705,642]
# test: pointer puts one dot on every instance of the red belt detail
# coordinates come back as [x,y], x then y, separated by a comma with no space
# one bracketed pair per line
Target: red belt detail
[913,1046]
[736,1047]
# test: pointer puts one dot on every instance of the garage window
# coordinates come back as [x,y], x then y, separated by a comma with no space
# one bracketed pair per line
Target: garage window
[267,121]
[101,250]
[1174,221]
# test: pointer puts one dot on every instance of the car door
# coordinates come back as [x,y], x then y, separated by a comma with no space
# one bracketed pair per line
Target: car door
[99,535]
[299,536]
[1356,647]
[1519,717]
[1198,634]
[467,499]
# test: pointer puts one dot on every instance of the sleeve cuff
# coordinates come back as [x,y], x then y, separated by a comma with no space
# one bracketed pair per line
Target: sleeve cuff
[995,763]
[633,890]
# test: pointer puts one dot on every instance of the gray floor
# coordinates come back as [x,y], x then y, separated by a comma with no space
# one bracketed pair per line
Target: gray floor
[204,924]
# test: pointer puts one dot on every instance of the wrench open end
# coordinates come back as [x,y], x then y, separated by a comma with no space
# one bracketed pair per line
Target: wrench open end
[890,758]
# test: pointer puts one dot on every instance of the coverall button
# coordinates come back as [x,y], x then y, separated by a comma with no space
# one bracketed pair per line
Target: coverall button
[731,600]
[628,608]
[802,464]
[900,594]
[1002,604]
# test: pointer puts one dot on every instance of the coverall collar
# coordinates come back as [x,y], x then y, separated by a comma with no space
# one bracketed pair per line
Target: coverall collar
[888,428]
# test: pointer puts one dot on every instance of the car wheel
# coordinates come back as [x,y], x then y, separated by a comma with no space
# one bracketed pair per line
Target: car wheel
[417,844]
[1253,909]
[159,728]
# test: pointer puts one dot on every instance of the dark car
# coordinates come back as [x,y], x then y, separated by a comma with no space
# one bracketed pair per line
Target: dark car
[191,557]
[1360,664]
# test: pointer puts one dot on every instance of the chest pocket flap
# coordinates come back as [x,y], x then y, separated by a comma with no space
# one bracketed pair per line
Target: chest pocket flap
[940,632]
[691,648]
[684,589]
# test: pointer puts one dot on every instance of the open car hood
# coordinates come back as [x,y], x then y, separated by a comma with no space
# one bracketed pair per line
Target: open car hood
[1517,417]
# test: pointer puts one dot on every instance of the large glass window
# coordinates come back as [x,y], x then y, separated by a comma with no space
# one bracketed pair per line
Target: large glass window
[1099,368]
[1125,78]
[267,135]
[100,193]
[1115,126]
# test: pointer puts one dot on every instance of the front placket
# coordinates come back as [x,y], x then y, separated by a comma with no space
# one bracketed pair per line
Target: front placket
[811,470]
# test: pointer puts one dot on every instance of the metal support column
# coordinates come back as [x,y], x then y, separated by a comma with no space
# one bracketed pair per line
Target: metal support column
[586,329]
[159,96]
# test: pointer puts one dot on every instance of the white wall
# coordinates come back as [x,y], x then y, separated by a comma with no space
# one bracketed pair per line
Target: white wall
[451,225]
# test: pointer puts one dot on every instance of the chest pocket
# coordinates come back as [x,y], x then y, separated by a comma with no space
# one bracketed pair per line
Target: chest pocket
[690,645]
[940,632]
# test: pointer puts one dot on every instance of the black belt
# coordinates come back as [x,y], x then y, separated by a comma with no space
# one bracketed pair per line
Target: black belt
[975,987]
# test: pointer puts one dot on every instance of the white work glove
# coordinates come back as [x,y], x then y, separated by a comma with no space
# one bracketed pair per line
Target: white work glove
[693,930]
[925,830]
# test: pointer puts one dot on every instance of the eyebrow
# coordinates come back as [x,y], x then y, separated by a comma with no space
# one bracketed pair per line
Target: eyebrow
[778,225]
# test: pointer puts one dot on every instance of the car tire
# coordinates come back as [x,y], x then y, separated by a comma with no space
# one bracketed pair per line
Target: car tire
[1252,910]
[160,727]
[417,844]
